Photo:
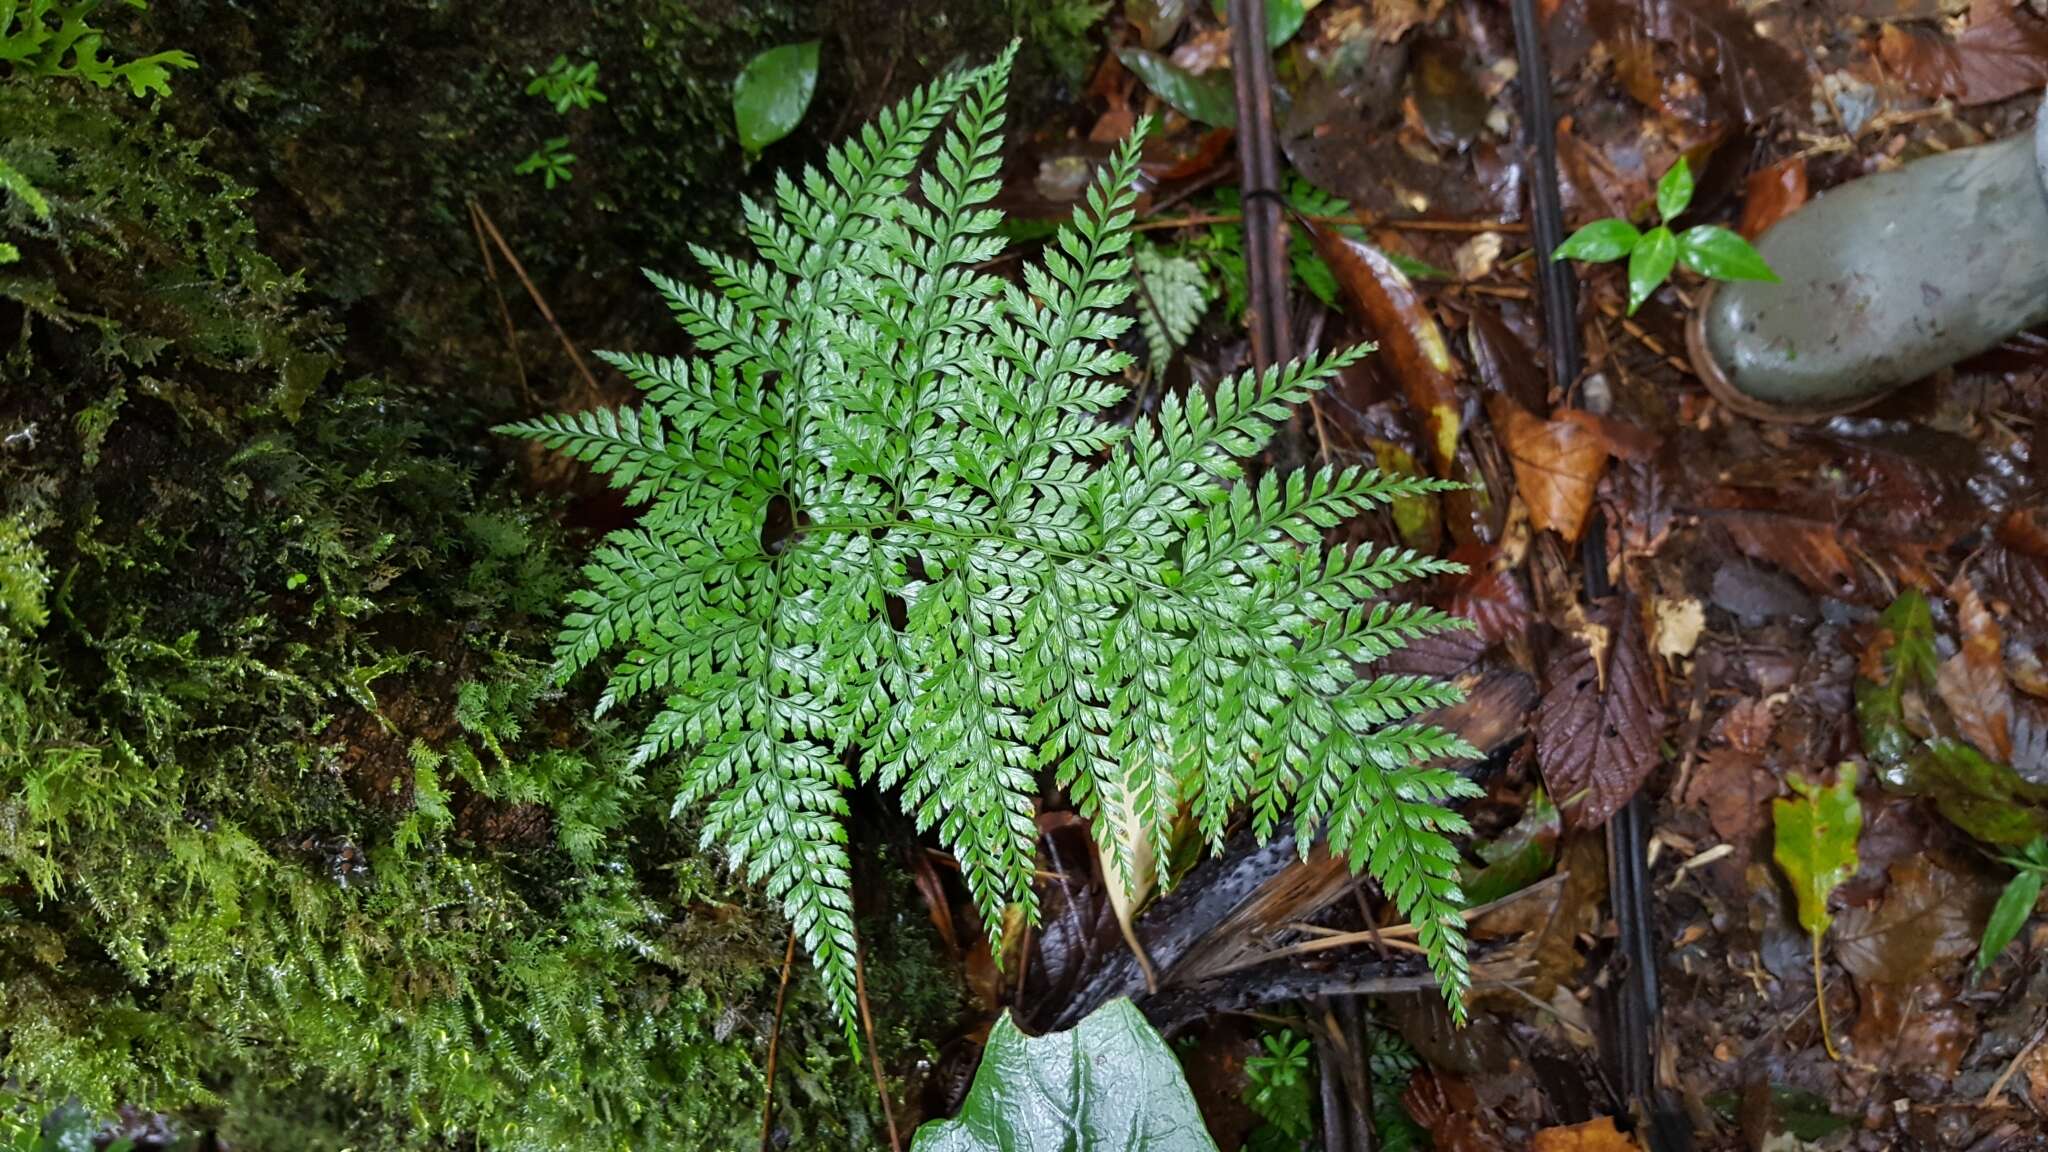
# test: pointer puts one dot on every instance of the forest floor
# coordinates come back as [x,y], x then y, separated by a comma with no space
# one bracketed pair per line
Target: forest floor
[1755,582]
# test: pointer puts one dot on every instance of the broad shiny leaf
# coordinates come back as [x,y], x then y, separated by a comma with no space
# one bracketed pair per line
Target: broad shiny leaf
[1719,254]
[1110,1082]
[773,93]
[1650,265]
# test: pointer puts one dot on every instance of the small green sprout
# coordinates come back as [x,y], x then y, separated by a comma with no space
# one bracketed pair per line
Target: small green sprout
[1708,249]
[552,160]
[567,85]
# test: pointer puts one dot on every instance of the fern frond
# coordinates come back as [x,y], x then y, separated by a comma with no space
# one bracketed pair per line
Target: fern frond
[887,534]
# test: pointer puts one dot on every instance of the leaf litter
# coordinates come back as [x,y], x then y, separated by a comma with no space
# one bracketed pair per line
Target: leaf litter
[1824,664]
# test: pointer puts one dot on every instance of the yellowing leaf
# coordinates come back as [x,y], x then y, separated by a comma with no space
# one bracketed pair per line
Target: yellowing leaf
[1816,842]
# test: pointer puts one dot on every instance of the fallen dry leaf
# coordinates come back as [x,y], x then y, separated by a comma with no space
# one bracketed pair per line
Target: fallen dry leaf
[1558,464]
[1733,788]
[1813,551]
[1771,194]
[1488,594]
[1596,743]
[1928,921]
[1503,361]
[1475,258]
[2003,53]
[1748,725]
[2020,582]
[1593,1136]
[1390,307]
[1678,626]
[1972,682]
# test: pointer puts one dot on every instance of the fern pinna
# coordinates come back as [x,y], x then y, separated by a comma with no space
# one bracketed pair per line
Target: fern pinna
[890,536]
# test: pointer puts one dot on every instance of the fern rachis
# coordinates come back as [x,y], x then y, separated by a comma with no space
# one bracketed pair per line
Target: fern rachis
[1124,611]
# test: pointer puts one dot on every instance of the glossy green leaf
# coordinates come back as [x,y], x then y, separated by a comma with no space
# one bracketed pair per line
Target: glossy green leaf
[1815,842]
[1906,658]
[2015,906]
[1207,99]
[1609,239]
[1979,795]
[1716,253]
[1650,265]
[1521,856]
[1674,191]
[1109,1083]
[1283,18]
[774,92]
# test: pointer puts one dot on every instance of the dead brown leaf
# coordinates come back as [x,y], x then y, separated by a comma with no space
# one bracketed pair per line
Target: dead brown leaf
[1972,682]
[1733,787]
[1928,920]
[1389,306]
[1595,741]
[1772,194]
[1558,465]
[1488,594]
[2020,583]
[1811,550]
[1593,1136]
[1748,725]
[2003,53]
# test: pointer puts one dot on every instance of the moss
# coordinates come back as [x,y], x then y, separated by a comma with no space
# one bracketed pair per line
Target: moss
[294,836]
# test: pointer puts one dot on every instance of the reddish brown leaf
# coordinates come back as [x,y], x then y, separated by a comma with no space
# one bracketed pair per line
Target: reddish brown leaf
[1596,736]
[2002,54]
[1558,464]
[2020,583]
[1972,682]
[1930,919]
[1733,788]
[1504,362]
[1772,194]
[1488,594]
[1748,726]
[1812,551]
[1390,307]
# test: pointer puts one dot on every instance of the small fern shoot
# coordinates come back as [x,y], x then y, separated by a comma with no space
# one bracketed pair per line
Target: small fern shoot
[889,536]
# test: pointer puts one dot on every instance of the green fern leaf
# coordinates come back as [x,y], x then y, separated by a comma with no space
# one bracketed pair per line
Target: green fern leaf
[888,536]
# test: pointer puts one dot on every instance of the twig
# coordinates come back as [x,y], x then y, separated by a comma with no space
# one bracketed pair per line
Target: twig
[2005,1077]
[1614,311]
[867,1024]
[775,1044]
[1395,936]
[540,302]
[476,224]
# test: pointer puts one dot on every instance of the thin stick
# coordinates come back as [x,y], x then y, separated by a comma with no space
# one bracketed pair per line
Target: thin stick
[504,311]
[539,302]
[1395,936]
[1820,1001]
[775,1044]
[867,1025]
[2005,1077]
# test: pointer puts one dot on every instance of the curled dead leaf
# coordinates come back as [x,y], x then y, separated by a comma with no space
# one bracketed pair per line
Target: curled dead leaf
[1972,682]
[1772,194]
[1390,307]
[1557,463]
